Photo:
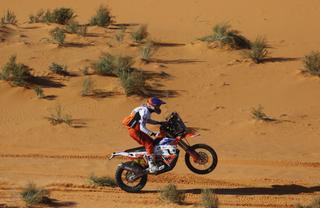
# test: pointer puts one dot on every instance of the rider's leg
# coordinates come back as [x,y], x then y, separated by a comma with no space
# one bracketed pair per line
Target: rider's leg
[147,142]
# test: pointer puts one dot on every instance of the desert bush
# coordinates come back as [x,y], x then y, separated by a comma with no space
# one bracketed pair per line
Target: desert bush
[9,18]
[38,17]
[147,51]
[105,65]
[110,65]
[58,36]
[258,114]
[312,63]
[87,87]
[16,73]
[314,204]
[60,15]
[140,34]
[102,181]
[259,50]
[85,70]
[120,34]
[102,18]
[225,36]
[39,92]
[59,69]
[209,199]
[59,117]
[33,195]
[170,194]
[76,28]
[133,82]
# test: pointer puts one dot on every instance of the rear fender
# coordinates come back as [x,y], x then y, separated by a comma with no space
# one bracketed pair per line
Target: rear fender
[131,155]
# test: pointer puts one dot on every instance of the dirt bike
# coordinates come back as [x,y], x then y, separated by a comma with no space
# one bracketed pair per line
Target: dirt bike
[132,175]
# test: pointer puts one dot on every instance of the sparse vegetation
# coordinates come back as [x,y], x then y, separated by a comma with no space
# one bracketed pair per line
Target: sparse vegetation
[15,73]
[85,70]
[39,92]
[87,87]
[8,18]
[75,27]
[258,114]
[133,82]
[58,36]
[60,15]
[38,17]
[109,65]
[59,117]
[314,204]
[33,195]
[225,36]
[102,18]
[59,69]
[312,63]
[120,34]
[102,181]
[105,65]
[209,199]
[170,194]
[259,50]
[140,34]
[147,51]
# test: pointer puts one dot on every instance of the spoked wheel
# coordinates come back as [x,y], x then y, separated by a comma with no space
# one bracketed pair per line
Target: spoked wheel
[126,180]
[207,161]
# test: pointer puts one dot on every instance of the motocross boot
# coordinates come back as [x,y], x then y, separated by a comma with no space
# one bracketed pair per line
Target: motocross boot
[152,166]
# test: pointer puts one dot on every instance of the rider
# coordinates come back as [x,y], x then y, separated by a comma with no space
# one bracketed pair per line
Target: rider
[137,129]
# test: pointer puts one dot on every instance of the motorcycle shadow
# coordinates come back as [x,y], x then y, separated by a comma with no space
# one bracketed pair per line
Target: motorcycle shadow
[290,189]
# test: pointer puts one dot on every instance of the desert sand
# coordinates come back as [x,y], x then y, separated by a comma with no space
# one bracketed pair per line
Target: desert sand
[261,164]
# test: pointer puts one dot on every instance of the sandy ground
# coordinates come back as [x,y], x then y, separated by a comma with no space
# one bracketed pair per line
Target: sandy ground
[261,164]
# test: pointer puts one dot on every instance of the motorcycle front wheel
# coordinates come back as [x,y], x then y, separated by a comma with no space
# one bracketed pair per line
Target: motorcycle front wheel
[207,161]
[126,181]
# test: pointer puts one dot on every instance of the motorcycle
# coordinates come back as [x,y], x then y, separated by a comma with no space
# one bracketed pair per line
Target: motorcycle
[131,176]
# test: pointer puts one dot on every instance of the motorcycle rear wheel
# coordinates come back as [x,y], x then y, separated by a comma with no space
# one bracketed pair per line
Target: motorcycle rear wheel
[122,177]
[205,152]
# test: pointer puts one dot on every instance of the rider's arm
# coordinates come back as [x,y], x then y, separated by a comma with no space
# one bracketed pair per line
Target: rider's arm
[153,122]
[145,117]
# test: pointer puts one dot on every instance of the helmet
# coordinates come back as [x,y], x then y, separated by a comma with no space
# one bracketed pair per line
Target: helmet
[154,104]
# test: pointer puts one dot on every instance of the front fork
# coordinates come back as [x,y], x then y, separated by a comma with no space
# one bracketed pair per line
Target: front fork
[195,156]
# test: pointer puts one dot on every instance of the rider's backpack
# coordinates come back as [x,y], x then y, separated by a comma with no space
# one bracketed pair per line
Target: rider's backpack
[132,120]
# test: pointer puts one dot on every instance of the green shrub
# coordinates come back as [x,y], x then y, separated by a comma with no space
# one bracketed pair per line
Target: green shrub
[76,28]
[58,36]
[314,204]
[102,18]
[59,69]
[105,65]
[170,194]
[140,34]
[9,18]
[259,50]
[120,34]
[33,195]
[60,15]
[87,87]
[39,92]
[225,36]
[258,114]
[209,199]
[58,117]
[16,73]
[133,82]
[146,51]
[102,181]
[312,63]
[38,17]
[109,65]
